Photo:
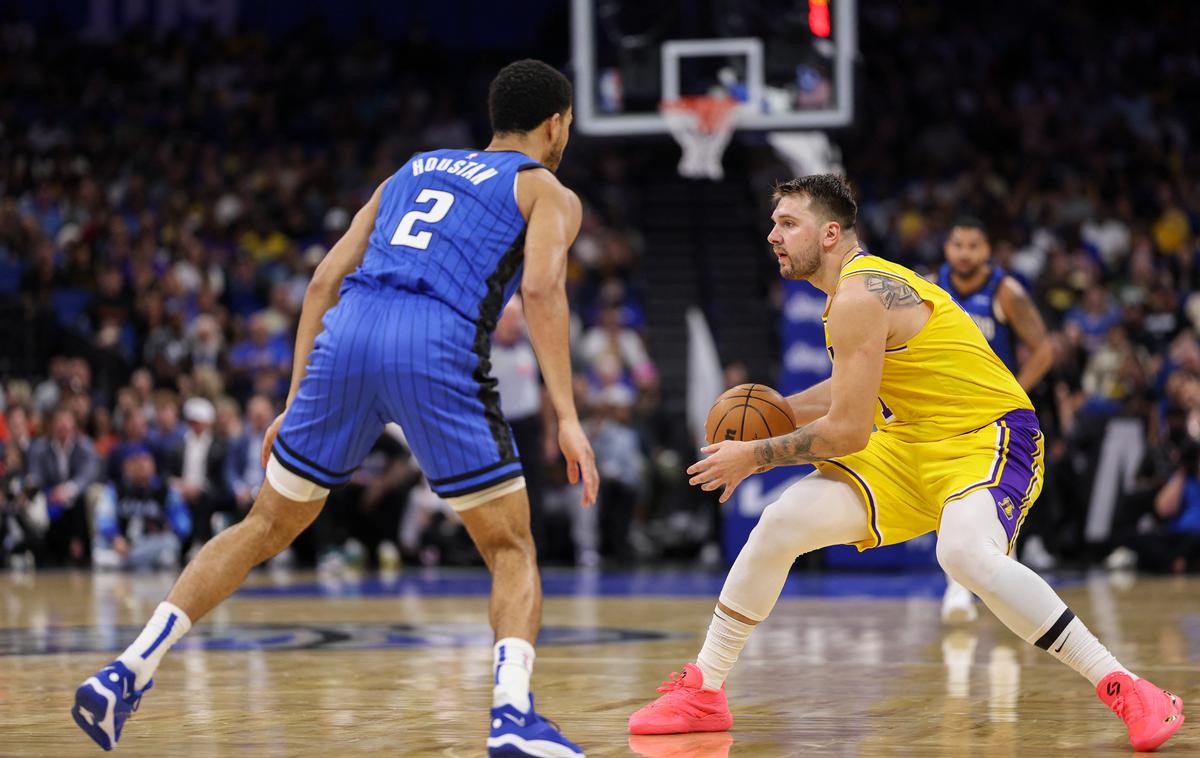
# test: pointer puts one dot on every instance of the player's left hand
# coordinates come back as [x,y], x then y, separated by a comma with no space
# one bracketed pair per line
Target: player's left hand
[727,464]
[581,461]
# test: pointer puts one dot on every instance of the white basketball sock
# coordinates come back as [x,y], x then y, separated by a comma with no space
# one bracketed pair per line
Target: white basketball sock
[813,513]
[1070,641]
[972,547]
[724,642]
[164,629]
[512,662]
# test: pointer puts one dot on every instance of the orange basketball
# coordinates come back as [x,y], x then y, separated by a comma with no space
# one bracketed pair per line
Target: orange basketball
[749,412]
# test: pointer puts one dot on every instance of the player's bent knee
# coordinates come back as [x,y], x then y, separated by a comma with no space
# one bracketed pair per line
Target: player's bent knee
[967,559]
[953,555]
[767,537]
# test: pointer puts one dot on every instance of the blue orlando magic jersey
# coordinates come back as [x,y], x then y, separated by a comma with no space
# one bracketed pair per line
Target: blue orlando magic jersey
[449,227]
[984,309]
[409,339]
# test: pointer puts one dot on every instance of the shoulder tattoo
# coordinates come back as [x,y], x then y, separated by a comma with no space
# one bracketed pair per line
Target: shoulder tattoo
[893,293]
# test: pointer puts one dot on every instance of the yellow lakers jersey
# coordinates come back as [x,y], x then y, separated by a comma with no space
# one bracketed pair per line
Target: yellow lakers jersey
[944,381]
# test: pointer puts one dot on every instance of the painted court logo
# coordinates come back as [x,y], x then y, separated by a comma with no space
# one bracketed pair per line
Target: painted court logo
[268,637]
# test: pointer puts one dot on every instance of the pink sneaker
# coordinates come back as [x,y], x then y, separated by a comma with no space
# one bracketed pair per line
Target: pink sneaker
[683,707]
[1152,714]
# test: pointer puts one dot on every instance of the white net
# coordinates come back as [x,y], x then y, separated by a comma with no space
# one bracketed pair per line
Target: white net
[702,126]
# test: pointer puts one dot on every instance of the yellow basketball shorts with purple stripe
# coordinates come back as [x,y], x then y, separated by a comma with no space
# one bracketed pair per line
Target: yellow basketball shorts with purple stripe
[905,485]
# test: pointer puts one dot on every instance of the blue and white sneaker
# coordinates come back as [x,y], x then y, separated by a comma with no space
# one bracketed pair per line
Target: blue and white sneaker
[516,732]
[104,701]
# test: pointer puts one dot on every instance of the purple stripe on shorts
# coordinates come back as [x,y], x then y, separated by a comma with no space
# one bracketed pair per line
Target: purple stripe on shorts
[1021,467]
[874,507]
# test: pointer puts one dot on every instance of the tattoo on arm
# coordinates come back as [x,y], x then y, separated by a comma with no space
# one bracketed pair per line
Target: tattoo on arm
[893,293]
[787,450]
[1026,320]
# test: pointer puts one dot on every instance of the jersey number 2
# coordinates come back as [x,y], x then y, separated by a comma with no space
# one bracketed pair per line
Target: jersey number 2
[441,206]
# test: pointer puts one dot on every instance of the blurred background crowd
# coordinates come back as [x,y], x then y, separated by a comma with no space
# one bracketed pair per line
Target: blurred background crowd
[164,199]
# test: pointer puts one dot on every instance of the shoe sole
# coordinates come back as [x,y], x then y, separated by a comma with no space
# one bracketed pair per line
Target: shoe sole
[92,698]
[512,745]
[717,722]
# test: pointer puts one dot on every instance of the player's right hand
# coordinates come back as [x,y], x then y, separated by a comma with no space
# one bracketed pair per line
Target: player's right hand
[269,438]
[581,461]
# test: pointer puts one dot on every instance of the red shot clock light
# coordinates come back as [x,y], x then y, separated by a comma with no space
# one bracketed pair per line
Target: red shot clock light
[818,17]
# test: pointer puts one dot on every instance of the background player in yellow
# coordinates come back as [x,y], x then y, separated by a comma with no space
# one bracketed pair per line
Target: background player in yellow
[920,427]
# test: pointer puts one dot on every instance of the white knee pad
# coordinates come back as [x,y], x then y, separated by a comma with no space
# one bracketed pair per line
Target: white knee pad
[291,485]
[476,499]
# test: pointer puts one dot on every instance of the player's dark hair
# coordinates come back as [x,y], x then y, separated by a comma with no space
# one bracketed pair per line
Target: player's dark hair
[969,222]
[526,93]
[829,194]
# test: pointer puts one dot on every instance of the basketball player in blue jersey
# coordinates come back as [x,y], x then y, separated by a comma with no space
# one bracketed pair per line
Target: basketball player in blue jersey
[396,326]
[999,305]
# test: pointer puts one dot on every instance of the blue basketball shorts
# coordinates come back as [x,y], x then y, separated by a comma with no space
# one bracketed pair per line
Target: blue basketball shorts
[387,355]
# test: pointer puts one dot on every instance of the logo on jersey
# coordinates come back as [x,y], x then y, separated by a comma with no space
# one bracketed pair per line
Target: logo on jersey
[1006,505]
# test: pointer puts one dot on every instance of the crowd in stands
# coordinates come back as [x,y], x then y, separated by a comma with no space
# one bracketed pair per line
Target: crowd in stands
[163,206]
[157,248]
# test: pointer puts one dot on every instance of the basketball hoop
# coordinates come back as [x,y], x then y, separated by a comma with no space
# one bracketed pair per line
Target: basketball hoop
[702,125]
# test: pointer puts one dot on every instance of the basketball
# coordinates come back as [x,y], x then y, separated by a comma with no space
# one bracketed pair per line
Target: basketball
[748,412]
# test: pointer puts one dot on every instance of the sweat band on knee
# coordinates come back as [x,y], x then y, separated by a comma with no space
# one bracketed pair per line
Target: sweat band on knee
[291,485]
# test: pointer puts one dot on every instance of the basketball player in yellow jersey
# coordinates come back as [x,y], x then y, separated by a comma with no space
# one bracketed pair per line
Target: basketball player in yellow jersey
[920,428]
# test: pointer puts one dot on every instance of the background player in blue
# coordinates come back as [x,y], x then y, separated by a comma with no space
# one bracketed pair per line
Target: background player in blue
[396,326]
[1000,306]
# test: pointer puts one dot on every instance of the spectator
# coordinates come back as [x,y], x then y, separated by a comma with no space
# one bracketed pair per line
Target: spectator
[622,467]
[142,384]
[166,436]
[205,343]
[62,466]
[103,436]
[243,462]
[516,370]
[166,344]
[1095,317]
[1114,374]
[140,519]
[20,436]
[49,392]
[1172,543]
[134,435]
[610,338]
[23,518]
[261,364]
[197,471]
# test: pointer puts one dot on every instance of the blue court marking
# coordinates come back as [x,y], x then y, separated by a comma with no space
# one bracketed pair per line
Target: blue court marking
[308,637]
[568,583]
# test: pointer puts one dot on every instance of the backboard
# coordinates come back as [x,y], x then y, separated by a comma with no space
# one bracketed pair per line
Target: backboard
[789,62]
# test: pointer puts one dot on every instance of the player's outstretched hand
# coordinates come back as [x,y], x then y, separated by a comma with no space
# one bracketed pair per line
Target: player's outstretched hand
[581,461]
[727,464]
[269,438]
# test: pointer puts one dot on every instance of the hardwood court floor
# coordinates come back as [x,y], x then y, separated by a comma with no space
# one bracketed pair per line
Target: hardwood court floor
[401,667]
